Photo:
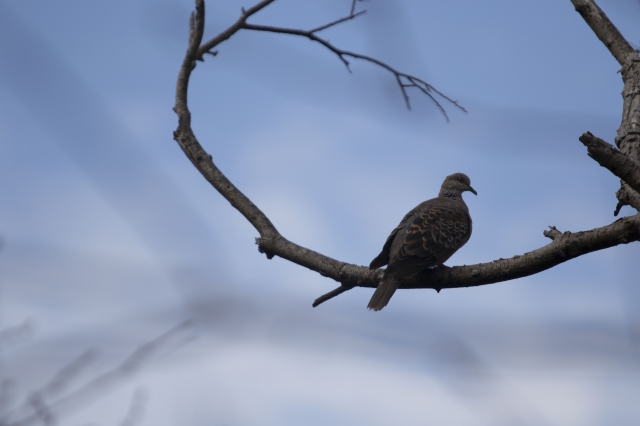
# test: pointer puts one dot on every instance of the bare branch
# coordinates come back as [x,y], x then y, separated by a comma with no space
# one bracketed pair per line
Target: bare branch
[136,408]
[337,21]
[624,163]
[611,158]
[404,80]
[19,333]
[626,197]
[353,6]
[190,145]
[564,246]
[226,34]
[101,384]
[266,28]
[64,377]
[203,161]
[196,29]
[42,410]
[333,293]
[606,31]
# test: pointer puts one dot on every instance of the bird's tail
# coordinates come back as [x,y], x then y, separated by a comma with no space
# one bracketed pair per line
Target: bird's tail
[383,293]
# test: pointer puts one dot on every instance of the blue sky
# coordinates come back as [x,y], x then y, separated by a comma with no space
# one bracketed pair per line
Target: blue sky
[111,237]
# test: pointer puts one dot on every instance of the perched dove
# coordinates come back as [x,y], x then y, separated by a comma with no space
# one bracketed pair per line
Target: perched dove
[427,236]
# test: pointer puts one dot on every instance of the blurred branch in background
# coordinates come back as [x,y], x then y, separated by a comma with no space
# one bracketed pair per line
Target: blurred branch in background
[564,246]
[61,396]
[16,334]
[137,407]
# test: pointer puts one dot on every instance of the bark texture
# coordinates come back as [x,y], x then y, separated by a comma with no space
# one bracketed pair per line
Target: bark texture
[628,138]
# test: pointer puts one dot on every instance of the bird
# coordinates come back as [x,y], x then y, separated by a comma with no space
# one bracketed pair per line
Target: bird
[426,237]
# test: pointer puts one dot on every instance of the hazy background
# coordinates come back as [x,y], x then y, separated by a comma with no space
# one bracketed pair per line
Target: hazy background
[111,238]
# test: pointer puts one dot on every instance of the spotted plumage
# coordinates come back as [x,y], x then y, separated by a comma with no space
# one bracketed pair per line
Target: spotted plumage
[427,236]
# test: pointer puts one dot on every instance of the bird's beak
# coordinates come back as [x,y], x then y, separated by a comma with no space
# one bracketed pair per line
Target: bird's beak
[472,190]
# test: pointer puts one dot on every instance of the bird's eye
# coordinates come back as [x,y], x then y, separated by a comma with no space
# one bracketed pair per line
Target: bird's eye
[460,179]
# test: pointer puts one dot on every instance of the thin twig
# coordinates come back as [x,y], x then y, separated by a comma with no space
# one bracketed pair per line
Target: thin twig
[404,80]
[12,335]
[337,21]
[353,6]
[102,383]
[206,47]
[333,293]
[137,406]
[42,410]
[64,377]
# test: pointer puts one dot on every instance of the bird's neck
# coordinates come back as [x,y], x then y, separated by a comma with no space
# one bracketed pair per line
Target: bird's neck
[448,193]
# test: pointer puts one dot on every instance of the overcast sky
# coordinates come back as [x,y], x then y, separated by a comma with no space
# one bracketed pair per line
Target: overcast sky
[111,237]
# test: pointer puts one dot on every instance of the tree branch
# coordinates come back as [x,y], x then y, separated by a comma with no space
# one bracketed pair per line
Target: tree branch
[196,29]
[606,31]
[338,21]
[610,158]
[626,197]
[70,401]
[404,80]
[564,246]
[628,139]
[190,145]
[353,6]
[226,34]
[333,293]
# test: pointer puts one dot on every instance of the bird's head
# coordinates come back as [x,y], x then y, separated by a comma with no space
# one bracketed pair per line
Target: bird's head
[456,184]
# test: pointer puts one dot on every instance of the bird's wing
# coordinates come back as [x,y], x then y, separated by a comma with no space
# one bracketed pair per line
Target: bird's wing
[437,232]
[383,258]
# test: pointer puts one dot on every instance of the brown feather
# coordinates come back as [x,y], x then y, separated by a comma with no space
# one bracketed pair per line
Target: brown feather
[426,237]
[383,293]
[383,258]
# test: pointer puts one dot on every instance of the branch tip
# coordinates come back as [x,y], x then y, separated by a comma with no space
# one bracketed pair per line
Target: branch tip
[626,196]
[619,206]
[353,7]
[336,22]
[552,233]
[413,81]
[611,158]
[333,293]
